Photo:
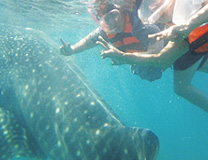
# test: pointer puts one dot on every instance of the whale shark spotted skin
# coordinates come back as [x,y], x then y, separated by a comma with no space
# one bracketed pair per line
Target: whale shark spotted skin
[49,110]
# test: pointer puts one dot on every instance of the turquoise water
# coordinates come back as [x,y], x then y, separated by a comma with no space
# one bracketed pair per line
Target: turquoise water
[181,127]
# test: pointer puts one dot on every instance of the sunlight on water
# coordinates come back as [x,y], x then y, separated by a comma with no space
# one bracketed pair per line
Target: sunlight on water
[43,14]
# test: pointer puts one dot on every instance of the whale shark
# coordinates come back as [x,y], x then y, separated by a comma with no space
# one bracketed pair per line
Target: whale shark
[49,110]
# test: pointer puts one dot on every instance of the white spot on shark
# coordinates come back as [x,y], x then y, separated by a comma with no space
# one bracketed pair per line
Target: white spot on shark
[57,110]
[3,127]
[88,141]
[54,98]
[97,132]
[38,103]
[86,111]
[27,86]
[45,76]
[92,103]
[125,151]
[66,103]
[59,144]
[25,94]
[16,146]
[28,29]
[75,119]
[5,132]
[106,125]
[31,115]
[78,153]
[66,130]
[2,120]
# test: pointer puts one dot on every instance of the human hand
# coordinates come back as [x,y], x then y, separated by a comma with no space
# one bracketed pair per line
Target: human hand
[174,33]
[111,52]
[65,49]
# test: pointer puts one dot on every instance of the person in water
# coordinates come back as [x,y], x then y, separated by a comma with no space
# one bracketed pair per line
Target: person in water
[120,26]
[187,49]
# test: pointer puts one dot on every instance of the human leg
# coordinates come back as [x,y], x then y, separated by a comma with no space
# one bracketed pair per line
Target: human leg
[184,88]
[204,66]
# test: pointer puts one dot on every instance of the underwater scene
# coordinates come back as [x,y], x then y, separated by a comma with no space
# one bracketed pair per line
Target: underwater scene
[81,107]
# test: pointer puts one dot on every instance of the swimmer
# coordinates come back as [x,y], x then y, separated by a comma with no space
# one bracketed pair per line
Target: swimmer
[187,49]
[120,26]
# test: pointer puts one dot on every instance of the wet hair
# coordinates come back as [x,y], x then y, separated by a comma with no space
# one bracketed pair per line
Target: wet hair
[104,8]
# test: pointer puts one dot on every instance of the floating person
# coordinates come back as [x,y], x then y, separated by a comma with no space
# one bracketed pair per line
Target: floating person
[187,50]
[120,25]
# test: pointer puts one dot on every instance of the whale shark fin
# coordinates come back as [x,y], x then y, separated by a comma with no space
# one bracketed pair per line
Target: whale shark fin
[15,141]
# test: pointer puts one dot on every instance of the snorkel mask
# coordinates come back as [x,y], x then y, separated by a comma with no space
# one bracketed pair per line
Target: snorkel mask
[151,11]
[106,15]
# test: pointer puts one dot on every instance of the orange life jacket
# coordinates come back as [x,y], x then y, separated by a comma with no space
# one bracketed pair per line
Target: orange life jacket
[198,39]
[125,41]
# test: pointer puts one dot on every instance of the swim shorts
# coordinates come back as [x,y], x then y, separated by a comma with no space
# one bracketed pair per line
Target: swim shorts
[188,59]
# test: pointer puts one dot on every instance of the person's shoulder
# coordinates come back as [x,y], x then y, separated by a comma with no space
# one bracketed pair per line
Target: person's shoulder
[96,33]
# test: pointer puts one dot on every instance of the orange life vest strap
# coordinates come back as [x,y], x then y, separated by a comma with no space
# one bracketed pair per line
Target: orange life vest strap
[126,40]
[130,40]
[118,43]
[196,37]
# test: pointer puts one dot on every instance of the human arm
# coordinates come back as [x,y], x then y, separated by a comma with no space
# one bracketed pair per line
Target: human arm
[141,32]
[198,18]
[180,32]
[86,43]
[164,59]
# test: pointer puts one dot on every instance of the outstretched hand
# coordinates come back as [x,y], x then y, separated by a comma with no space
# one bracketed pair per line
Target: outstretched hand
[111,52]
[65,49]
[174,33]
